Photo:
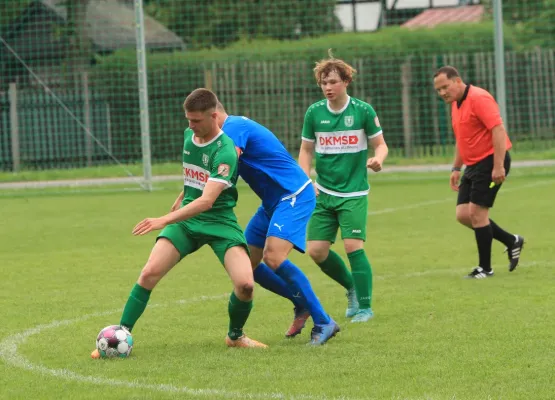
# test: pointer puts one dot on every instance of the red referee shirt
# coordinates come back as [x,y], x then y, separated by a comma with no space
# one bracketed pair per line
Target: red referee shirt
[473,118]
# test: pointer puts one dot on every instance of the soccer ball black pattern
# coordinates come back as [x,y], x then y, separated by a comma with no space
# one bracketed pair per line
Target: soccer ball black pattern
[114,341]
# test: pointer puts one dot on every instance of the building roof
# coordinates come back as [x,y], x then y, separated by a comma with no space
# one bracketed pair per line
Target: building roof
[410,4]
[111,26]
[436,16]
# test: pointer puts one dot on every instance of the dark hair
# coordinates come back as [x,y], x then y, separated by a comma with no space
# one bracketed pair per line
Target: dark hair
[449,71]
[200,100]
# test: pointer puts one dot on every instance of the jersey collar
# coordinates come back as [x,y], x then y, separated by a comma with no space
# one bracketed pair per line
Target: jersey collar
[463,98]
[342,109]
[207,143]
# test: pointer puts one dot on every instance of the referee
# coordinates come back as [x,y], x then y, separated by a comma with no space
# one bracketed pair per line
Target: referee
[482,145]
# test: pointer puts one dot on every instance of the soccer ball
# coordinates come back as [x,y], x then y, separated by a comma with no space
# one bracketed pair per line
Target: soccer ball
[114,341]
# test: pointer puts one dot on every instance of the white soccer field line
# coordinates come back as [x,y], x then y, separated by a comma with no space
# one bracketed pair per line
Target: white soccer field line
[453,198]
[9,351]
[9,346]
[84,182]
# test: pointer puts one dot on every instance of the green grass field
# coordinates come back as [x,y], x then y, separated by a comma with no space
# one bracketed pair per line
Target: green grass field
[69,261]
[522,152]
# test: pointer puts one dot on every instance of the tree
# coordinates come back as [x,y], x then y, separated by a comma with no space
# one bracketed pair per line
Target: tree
[222,22]
[517,11]
[541,28]
[80,51]
[10,10]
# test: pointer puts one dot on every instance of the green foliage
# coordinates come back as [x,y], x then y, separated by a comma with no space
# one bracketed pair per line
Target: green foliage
[172,76]
[391,41]
[517,11]
[540,30]
[10,10]
[218,23]
[532,20]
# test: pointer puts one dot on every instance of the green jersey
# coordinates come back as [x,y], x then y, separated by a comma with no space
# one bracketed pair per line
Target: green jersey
[212,161]
[341,144]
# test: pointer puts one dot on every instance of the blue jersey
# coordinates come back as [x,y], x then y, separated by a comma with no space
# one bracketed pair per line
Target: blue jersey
[265,164]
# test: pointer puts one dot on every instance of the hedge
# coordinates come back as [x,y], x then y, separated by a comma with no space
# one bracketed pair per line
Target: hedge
[259,77]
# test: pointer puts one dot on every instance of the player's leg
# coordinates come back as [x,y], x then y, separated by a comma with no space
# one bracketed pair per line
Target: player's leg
[287,231]
[172,244]
[513,243]
[462,210]
[322,231]
[482,198]
[479,216]
[255,234]
[268,279]
[473,193]
[231,249]
[352,214]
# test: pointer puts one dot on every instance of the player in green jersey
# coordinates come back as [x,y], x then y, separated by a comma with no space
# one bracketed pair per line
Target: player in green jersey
[340,130]
[202,214]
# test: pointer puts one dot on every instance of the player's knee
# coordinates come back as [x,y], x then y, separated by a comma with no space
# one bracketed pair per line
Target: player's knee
[273,259]
[353,245]
[149,277]
[463,216]
[245,290]
[478,216]
[318,253]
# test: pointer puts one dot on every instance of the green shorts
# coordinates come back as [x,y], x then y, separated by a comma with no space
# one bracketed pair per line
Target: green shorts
[332,212]
[189,236]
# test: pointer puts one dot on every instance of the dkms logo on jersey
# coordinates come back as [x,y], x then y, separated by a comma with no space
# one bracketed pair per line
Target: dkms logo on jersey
[196,175]
[335,140]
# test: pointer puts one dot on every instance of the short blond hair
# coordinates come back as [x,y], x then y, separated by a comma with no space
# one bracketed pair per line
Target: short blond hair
[328,65]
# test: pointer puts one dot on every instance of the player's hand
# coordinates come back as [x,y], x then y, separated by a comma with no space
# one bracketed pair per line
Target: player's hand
[454,180]
[498,175]
[148,225]
[374,164]
[315,189]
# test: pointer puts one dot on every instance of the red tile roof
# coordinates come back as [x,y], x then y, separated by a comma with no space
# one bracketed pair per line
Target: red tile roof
[436,16]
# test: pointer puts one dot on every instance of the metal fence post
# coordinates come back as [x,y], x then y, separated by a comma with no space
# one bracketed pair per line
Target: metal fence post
[143,94]
[499,59]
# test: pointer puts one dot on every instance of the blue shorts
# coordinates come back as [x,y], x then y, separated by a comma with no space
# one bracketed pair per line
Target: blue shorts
[288,221]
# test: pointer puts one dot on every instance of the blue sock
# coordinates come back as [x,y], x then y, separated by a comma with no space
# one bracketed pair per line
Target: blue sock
[269,280]
[298,283]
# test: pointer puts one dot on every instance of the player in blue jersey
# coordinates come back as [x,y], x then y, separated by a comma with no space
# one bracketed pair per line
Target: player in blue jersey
[279,224]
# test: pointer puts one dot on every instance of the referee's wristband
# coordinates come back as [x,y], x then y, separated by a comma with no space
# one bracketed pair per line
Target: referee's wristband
[458,169]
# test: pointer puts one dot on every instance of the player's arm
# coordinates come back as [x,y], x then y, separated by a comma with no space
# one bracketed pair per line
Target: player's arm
[456,170]
[374,131]
[457,160]
[211,191]
[380,153]
[177,202]
[487,111]
[499,136]
[305,156]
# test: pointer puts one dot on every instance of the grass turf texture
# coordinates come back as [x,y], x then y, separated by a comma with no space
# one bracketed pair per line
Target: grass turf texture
[66,255]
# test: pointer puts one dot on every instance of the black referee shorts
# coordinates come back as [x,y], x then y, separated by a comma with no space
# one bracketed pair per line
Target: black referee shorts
[476,180]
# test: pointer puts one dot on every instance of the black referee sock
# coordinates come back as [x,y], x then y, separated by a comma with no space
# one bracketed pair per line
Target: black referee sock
[484,237]
[499,234]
